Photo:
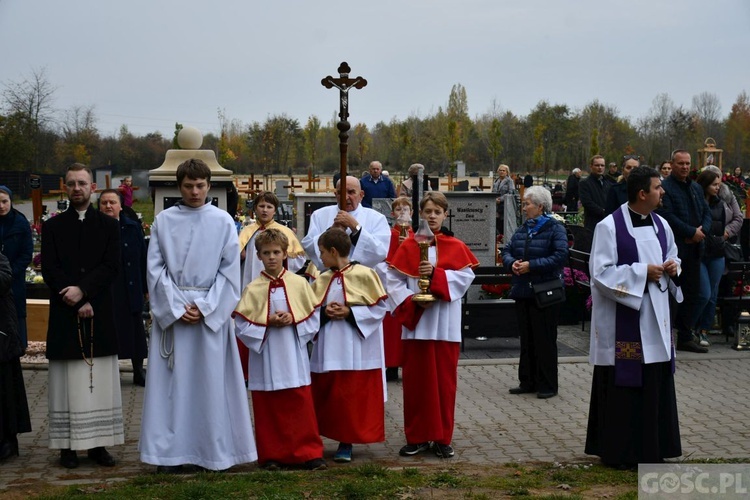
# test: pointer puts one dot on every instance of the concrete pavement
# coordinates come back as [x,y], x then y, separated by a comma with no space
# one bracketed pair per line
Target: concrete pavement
[492,426]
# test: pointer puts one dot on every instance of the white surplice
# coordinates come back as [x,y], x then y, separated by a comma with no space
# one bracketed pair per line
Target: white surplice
[442,320]
[278,355]
[374,236]
[625,284]
[195,408]
[339,346]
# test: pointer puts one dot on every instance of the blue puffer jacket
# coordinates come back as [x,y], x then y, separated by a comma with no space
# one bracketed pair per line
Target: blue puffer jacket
[547,254]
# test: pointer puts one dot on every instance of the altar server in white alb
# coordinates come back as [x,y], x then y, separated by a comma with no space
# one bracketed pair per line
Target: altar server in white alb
[634,269]
[195,410]
[276,317]
[264,206]
[368,229]
[347,360]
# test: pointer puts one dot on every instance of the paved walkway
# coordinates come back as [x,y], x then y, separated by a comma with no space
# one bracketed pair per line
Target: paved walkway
[492,427]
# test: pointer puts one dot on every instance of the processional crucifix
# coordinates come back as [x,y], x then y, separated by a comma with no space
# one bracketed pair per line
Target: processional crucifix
[343,83]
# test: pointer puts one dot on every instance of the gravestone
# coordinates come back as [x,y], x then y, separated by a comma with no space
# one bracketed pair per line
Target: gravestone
[281,191]
[140,179]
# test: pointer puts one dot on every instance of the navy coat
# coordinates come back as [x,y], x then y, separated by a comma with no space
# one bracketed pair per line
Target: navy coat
[547,254]
[129,290]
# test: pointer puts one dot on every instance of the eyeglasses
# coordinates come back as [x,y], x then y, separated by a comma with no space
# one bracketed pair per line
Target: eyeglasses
[631,157]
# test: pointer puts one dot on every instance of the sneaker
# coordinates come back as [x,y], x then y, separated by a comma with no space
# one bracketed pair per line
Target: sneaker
[413,449]
[271,465]
[343,453]
[703,339]
[317,464]
[444,450]
[690,346]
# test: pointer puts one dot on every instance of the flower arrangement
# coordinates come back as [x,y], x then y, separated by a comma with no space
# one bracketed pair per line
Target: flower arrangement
[570,276]
[739,290]
[497,291]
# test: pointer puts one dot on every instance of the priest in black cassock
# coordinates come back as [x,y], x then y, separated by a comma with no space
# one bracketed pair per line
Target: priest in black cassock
[634,268]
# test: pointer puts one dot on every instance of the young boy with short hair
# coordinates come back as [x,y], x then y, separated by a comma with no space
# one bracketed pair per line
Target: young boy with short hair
[431,331]
[401,210]
[265,204]
[347,358]
[275,318]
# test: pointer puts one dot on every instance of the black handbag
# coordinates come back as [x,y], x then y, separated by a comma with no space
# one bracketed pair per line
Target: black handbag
[733,252]
[549,293]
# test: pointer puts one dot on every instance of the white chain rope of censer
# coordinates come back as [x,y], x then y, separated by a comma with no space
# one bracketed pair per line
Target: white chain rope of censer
[90,360]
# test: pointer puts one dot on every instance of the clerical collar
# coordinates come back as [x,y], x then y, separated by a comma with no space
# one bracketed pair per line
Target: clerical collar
[640,220]
[82,214]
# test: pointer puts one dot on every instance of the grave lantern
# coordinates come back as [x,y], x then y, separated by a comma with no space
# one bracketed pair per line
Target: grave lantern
[163,180]
[710,154]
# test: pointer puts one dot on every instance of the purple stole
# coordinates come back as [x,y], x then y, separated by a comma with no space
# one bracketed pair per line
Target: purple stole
[628,346]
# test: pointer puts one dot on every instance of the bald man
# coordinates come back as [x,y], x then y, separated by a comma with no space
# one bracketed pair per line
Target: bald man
[367,228]
[376,185]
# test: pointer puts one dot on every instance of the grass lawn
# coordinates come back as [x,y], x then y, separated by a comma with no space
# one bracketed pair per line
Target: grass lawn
[371,480]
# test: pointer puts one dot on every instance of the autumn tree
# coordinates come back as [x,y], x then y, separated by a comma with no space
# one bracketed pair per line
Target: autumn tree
[738,133]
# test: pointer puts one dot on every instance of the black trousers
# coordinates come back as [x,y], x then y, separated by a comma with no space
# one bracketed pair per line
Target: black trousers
[537,368]
[686,313]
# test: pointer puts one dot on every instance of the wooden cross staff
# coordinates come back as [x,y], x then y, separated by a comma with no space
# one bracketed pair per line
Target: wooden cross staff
[343,83]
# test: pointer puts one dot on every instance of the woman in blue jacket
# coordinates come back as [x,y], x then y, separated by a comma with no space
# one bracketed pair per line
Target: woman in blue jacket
[17,245]
[535,254]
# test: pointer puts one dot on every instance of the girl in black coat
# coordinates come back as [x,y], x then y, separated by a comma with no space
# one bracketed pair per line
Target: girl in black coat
[535,254]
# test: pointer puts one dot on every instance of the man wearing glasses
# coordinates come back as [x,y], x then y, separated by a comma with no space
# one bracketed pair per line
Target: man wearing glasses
[687,212]
[80,260]
[634,262]
[593,191]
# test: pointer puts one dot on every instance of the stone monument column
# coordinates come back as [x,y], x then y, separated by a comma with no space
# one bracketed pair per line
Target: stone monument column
[162,181]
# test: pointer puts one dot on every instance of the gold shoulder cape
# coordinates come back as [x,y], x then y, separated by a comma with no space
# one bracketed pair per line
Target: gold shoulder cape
[362,286]
[255,299]
[293,251]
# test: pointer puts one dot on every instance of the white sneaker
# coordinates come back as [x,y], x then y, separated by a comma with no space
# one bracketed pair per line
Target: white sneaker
[703,339]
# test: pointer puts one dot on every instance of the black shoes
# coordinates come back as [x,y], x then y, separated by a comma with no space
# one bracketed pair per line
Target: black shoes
[68,459]
[443,450]
[521,390]
[101,456]
[546,394]
[391,374]
[169,469]
[315,464]
[139,375]
[412,449]
[8,448]
[690,346]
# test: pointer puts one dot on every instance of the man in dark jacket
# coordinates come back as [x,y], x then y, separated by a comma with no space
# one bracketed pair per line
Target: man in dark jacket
[80,260]
[593,190]
[129,287]
[571,190]
[687,212]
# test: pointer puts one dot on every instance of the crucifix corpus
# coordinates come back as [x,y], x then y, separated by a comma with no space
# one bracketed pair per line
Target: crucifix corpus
[343,83]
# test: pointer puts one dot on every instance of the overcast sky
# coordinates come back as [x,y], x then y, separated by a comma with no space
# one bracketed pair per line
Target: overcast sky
[150,63]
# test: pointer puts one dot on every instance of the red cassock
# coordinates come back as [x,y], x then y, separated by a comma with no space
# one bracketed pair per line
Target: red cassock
[392,347]
[430,366]
[346,412]
[286,430]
